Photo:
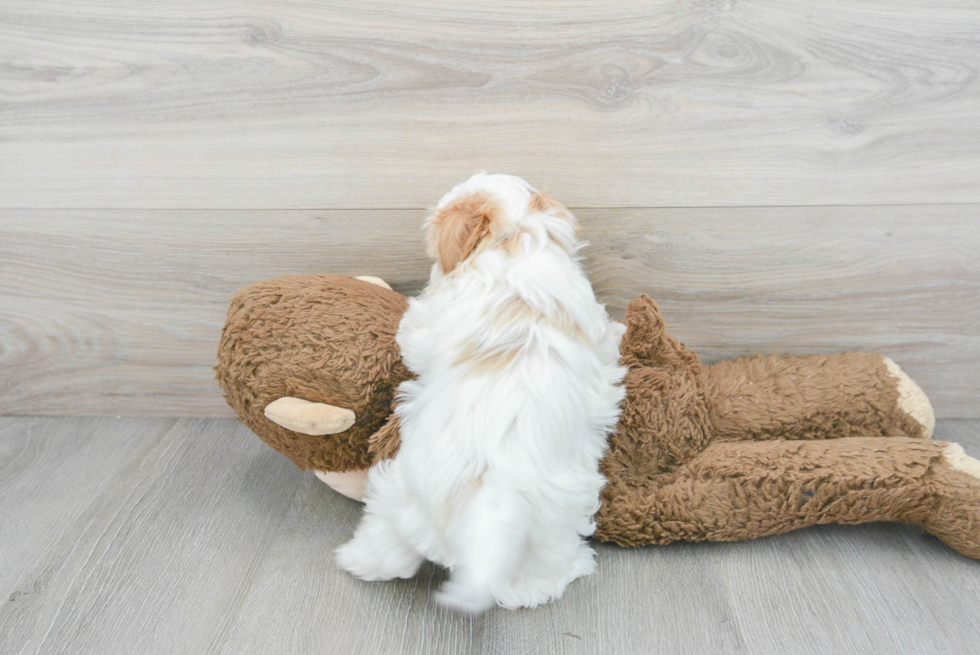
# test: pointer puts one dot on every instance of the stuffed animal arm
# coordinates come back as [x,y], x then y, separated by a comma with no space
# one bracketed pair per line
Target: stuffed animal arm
[740,449]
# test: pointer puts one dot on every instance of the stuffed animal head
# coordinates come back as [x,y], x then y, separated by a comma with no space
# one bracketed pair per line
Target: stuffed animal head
[321,338]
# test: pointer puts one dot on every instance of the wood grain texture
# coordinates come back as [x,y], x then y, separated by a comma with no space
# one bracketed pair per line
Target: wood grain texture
[614,611]
[160,555]
[644,600]
[42,458]
[375,104]
[119,312]
[902,281]
[880,588]
[194,537]
[299,602]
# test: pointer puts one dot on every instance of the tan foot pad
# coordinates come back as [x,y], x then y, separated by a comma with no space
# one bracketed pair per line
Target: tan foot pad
[911,399]
[959,460]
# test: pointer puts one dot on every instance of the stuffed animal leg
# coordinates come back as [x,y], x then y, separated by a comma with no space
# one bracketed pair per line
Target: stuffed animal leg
[675,407]
[742,490]
[815,397]
[761,445]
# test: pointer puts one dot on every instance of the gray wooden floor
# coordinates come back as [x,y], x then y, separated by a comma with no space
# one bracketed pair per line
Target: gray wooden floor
[155,535]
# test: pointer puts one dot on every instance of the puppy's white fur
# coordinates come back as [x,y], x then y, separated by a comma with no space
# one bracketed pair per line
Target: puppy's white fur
[502,431]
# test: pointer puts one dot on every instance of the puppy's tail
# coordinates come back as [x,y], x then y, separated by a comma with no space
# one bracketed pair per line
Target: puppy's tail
[488,537]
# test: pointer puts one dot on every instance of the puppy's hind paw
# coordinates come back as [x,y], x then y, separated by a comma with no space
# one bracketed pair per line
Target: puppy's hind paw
[374,566]
[351,558]
[464,598]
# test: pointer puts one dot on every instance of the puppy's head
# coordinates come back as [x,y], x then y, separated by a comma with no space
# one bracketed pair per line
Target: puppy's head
[485,211]
[461,227]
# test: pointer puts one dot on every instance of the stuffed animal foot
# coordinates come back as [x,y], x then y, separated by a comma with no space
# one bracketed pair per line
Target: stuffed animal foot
[911,399]
[377,552]
[956,517]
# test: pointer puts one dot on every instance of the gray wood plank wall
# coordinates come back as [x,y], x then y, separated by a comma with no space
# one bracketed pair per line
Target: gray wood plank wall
[785,176]
[382,104]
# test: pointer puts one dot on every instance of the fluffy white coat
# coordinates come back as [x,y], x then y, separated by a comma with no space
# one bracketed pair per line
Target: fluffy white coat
[502,431]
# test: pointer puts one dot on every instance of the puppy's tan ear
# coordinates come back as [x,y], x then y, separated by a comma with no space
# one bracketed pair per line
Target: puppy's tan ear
[542,202]
[457,229]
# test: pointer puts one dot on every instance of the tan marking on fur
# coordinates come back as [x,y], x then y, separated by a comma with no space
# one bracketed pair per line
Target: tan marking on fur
[542,202]
[456,231]
[516,310]
[958,460]
[512,311]
[486,361]
[477,222]
[558,242]
[459,499]
[911,399]
[563,322]
[511,244]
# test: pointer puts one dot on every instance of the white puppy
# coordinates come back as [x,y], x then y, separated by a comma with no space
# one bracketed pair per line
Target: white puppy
[497,476]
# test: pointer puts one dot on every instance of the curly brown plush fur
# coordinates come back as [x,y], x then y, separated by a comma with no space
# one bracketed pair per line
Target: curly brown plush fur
[324,338]
[744,448]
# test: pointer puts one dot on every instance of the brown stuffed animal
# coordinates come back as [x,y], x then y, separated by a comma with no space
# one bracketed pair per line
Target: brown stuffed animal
[741,449]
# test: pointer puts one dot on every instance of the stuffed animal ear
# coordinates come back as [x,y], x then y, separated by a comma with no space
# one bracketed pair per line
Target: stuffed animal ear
[457,230]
